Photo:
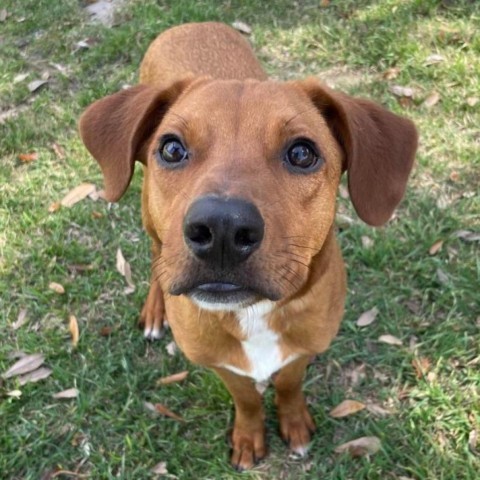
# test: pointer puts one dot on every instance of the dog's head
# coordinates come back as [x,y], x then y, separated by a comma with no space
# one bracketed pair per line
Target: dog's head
[241,177]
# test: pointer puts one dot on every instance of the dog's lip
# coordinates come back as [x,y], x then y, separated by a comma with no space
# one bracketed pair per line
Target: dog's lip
[219,287]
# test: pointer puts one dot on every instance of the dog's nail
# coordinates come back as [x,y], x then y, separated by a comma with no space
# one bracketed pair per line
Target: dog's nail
[301,451]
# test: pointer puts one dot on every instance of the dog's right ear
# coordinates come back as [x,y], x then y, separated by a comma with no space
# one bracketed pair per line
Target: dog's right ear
[115,128]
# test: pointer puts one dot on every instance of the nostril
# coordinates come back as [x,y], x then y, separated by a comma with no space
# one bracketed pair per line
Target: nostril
[199,234]
[246,237]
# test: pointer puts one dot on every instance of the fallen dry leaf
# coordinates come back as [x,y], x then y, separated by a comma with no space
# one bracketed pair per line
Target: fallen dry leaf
[473,440]
[171,348]
[14,394]
[77,194]
[442,276]
[467,235]
[58,150]
[436,247]
[96,214]
[36,85]
[431,100]
[176,377]
[20,77]
[124,269]
[56,287]
[367,242]
[35,376]
[378,410]
[160,468]
[390,340]
[54,207]
[421,366]
[368,317]
[400,91]
[391,73]
[163,410]
[454,176]
[106,331]
[69,393]
[3,14]
[28,157]
[74,331]
[360,447]
[242,27]
[25,365]
[21,319]
[347,407]
[433,59]
[472,101]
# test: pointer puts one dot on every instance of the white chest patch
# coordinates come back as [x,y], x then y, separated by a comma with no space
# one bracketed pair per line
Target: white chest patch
[261,345]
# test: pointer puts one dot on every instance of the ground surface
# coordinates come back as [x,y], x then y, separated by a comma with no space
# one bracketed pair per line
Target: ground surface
[427,388]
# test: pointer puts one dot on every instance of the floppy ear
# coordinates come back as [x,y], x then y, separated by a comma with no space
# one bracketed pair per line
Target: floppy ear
[115,128]
[379,149]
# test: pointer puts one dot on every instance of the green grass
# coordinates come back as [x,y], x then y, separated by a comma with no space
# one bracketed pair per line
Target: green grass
[107,432]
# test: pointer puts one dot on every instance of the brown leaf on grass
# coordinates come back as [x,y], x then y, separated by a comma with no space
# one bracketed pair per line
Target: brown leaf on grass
[436,247]
[176,377]
[35,376]
[378,410]
[28,157]
[3,14]
[97,215]
[434,59]
[473,441]
[54,207]
[390,339]
[242,27]
[14,394]
[467,235]
[58,150]
[74,331]
[163,410]
[171,348]
[56,287]
[160,469]
[400,91]
[25,365]
[454,176]
[431,100]
[106,331]
[77,194]
[360,447]
[345,408]
[69,393]
[124,269]
[367,242]
[368,317]
[421,366]
[472,101]
[36,85]
[391,73]
[324,3]
[21,319]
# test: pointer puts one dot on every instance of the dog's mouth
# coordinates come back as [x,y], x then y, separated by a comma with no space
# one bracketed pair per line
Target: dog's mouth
[220,295]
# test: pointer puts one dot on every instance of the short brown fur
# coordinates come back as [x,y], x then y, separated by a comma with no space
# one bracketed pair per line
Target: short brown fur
[203,83]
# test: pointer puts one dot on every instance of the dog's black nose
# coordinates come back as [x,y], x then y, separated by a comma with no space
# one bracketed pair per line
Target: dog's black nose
[223,231]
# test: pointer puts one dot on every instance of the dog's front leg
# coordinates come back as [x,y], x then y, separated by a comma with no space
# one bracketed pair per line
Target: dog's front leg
[296,424]
[248,436]
[152,316]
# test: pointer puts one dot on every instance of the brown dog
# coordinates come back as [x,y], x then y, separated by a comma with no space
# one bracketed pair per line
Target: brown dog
[241,175]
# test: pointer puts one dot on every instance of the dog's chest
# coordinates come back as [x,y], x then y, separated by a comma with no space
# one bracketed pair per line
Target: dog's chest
[262,345]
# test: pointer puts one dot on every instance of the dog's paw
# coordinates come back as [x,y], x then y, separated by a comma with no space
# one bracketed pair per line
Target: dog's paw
[248,448]
[296,429]
[152,318]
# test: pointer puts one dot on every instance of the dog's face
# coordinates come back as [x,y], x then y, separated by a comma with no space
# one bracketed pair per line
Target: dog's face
[241,177]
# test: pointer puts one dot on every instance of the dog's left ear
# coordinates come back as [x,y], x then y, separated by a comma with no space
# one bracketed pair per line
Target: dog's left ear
[379,149]
[115,128]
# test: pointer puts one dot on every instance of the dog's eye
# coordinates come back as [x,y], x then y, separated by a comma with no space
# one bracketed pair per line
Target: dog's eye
[302,156]
[172,152]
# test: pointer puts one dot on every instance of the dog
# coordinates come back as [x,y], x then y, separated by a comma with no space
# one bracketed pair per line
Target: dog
[240,180]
